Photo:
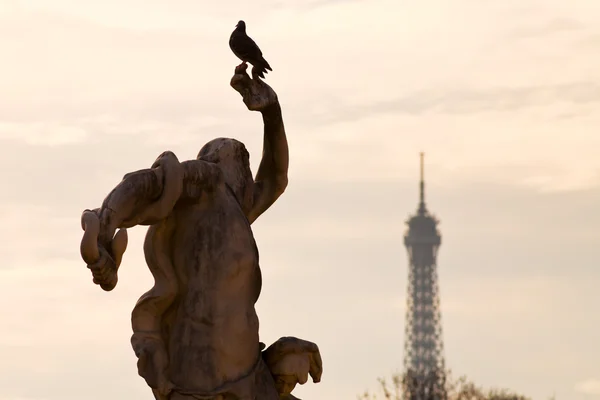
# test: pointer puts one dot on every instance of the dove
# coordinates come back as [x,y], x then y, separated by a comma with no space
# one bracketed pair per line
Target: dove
[247,50]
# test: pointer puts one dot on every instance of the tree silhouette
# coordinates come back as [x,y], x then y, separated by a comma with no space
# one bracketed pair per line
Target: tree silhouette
[407,387]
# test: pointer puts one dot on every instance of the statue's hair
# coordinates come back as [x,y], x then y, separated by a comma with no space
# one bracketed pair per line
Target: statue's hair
[234,161]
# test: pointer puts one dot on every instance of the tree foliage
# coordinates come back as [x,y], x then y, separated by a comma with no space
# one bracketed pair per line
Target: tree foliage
[456,389]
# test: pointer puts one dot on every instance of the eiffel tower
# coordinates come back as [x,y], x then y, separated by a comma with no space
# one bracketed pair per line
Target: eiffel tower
[425,377]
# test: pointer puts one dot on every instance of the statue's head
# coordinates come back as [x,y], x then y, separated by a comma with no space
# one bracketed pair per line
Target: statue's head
[233,159]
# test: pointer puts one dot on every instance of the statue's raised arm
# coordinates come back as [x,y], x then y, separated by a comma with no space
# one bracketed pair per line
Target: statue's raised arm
[272,175]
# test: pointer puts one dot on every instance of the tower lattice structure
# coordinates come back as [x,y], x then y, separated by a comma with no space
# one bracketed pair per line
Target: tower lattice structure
[425,377]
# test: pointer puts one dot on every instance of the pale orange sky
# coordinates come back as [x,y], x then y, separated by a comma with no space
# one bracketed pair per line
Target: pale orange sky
[503,96]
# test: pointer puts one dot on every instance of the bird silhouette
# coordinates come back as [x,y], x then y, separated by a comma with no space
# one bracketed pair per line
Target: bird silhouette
[247,50]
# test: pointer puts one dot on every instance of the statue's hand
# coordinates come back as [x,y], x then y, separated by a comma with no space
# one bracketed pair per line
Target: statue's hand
[104,271]
[104,265]
[290,361]
[256,94]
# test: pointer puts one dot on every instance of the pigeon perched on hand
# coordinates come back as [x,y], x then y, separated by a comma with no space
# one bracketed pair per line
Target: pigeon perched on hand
[246,50]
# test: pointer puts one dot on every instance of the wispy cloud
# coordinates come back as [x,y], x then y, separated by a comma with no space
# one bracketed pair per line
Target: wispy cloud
[558,25]
[42,133]
[589,386]
[465,101]
[309,4]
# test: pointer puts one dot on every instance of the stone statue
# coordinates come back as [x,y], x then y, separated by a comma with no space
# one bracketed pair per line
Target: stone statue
[195,333]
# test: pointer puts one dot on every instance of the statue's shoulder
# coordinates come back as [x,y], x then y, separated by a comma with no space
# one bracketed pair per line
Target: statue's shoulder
[203,172]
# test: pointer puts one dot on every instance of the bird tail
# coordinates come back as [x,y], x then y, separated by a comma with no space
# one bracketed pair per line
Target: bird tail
[261,68]
[266,64]
[258,71]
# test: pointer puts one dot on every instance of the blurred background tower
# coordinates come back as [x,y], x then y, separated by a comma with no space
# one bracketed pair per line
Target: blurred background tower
[424,368]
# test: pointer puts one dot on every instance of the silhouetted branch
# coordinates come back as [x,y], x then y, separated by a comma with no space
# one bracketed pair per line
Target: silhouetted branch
[411,386]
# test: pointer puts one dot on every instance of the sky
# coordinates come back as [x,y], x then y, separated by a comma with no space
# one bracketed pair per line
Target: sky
[502,96]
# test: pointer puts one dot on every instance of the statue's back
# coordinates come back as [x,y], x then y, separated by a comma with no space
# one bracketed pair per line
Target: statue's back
[213,326]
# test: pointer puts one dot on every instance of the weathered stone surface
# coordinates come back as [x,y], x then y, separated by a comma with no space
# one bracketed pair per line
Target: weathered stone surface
[195,332]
